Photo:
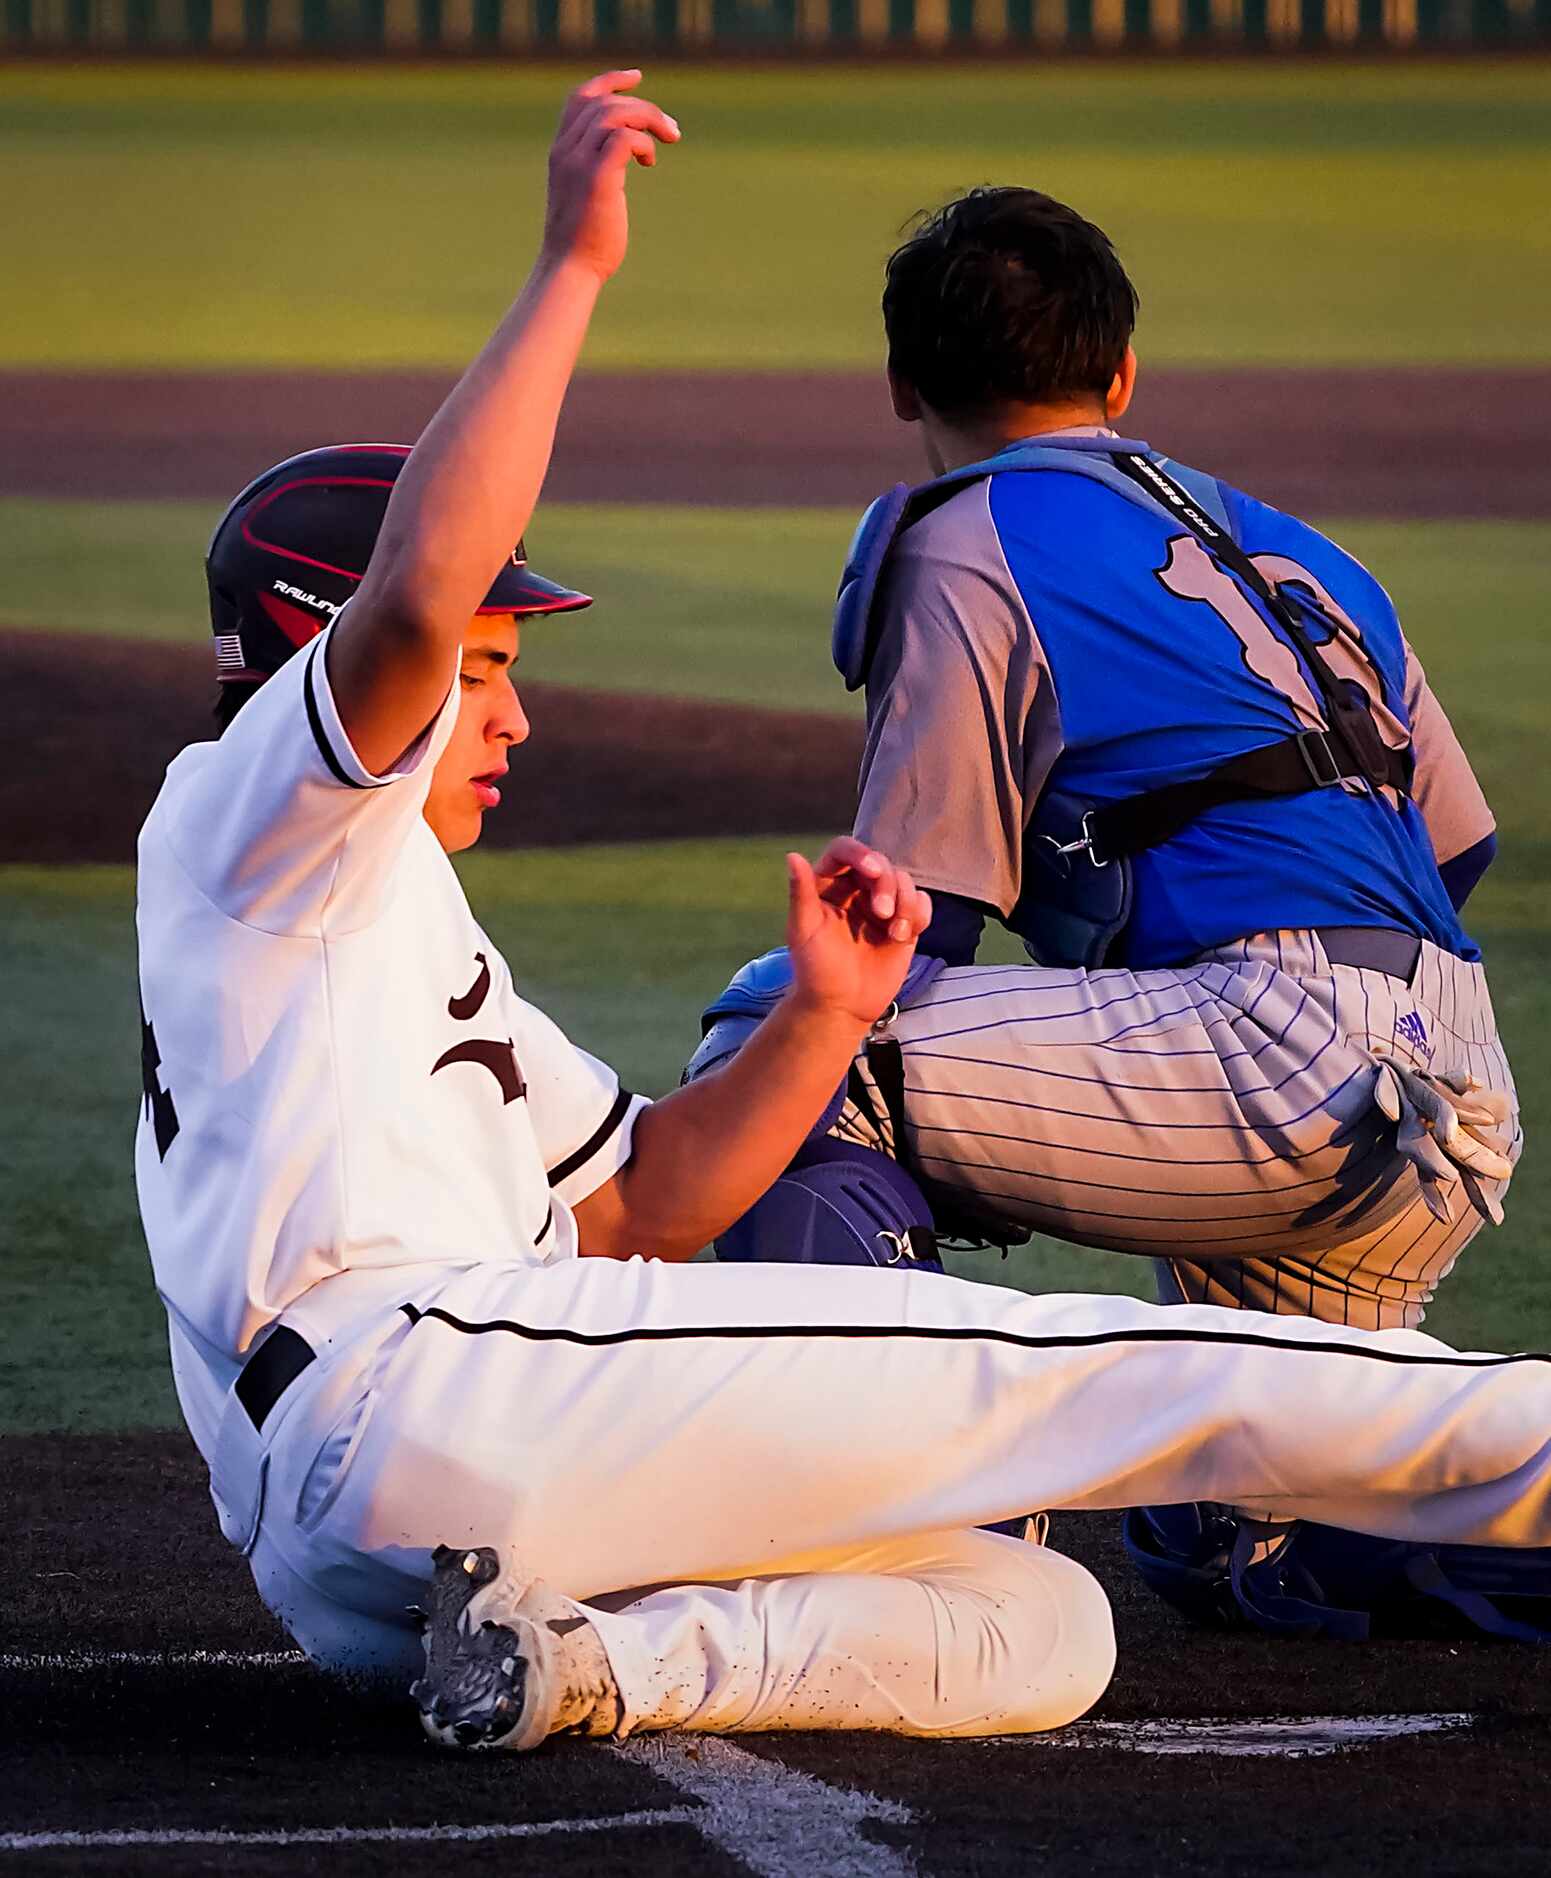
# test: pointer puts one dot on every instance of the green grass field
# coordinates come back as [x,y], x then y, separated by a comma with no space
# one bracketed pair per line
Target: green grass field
[727,603]
[337,217]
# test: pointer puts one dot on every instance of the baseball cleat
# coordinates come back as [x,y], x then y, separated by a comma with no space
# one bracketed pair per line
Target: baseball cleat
[505,1671]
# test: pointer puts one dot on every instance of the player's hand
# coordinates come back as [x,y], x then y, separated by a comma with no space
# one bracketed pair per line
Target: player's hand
[602,131]
[1454,1132]
[851,927]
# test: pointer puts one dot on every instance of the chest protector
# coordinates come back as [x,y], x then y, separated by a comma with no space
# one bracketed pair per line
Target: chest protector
[1076,852]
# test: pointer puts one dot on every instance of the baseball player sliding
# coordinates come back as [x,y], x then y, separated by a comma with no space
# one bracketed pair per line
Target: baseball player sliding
[1176,741]
[419,1252]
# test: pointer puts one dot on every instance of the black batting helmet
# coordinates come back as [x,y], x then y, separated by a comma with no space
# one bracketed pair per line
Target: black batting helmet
[290,551]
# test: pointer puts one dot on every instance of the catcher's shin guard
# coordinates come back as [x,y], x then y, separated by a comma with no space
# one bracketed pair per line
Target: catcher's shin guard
[1309,1580]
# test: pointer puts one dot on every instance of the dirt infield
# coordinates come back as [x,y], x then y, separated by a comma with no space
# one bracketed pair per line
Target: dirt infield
[599,766]
[127,1620]
[1391,441]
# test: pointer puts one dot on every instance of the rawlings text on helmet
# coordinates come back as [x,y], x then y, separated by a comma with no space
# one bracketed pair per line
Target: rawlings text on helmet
[307,599]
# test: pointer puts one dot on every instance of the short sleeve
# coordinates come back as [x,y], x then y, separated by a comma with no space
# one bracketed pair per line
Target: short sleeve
[1444,785]
[962,727]
[583,1119]
[280,825]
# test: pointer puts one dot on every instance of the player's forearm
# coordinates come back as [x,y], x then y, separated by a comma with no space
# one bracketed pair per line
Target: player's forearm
[469,489]
[462,501]
[704,1154]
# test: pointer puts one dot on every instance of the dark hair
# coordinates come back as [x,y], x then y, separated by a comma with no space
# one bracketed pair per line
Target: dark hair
[1006,296]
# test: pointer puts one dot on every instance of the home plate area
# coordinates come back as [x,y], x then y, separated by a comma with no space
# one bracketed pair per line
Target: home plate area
[157,1722]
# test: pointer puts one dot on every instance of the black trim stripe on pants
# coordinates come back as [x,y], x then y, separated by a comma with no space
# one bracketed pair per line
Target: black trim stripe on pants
[597,1339]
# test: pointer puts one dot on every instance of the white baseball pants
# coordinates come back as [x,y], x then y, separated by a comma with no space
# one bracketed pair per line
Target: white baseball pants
[759,1477]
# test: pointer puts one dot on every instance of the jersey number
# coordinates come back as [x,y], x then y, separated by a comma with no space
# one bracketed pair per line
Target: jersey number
[1190,573]
[159,1108]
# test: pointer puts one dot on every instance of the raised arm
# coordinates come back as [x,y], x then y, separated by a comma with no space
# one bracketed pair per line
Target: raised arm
[468,489]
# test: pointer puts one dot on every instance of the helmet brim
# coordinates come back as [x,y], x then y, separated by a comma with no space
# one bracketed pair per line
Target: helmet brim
[521,590]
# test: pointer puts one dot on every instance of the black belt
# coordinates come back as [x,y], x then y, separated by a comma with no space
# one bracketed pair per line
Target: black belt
[1372,949]
[270,1371]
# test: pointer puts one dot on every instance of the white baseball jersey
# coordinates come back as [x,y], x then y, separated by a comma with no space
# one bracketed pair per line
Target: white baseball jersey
[339,1074]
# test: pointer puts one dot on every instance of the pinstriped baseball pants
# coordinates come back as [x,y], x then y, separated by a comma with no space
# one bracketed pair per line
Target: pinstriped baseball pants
[1217,1117]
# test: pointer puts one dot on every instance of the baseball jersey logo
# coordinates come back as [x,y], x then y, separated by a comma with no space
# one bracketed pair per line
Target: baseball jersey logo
[1414,1031]
[469,1004]
[499,1058]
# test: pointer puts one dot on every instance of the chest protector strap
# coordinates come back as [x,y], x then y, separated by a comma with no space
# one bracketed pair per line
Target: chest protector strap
[1348,749]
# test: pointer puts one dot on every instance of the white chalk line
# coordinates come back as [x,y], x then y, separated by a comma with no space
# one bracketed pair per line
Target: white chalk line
[81,1660]
[341,1835]
[1283,1737]
[776,1820]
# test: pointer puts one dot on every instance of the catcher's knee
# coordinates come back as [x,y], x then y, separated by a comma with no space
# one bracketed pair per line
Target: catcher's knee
[837,1204]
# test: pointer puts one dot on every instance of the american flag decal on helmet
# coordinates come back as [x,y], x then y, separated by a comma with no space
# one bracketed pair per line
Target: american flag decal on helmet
[228,653]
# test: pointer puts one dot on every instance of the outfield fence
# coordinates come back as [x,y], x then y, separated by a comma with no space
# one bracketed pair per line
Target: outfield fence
[741,26]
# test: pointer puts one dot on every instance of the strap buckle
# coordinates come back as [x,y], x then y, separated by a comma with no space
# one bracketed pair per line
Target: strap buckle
[1308,741]
[901,1246]
[1086,843]
[884,1021]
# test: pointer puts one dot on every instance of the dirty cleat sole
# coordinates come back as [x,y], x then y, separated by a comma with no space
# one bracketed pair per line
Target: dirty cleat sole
[542,1669]
[478,1686]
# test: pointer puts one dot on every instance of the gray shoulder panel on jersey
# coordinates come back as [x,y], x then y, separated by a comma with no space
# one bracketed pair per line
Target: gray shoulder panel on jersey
[1444,786]
[963,723]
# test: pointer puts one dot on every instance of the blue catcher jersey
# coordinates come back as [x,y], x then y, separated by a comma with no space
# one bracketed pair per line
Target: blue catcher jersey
[1046,628]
